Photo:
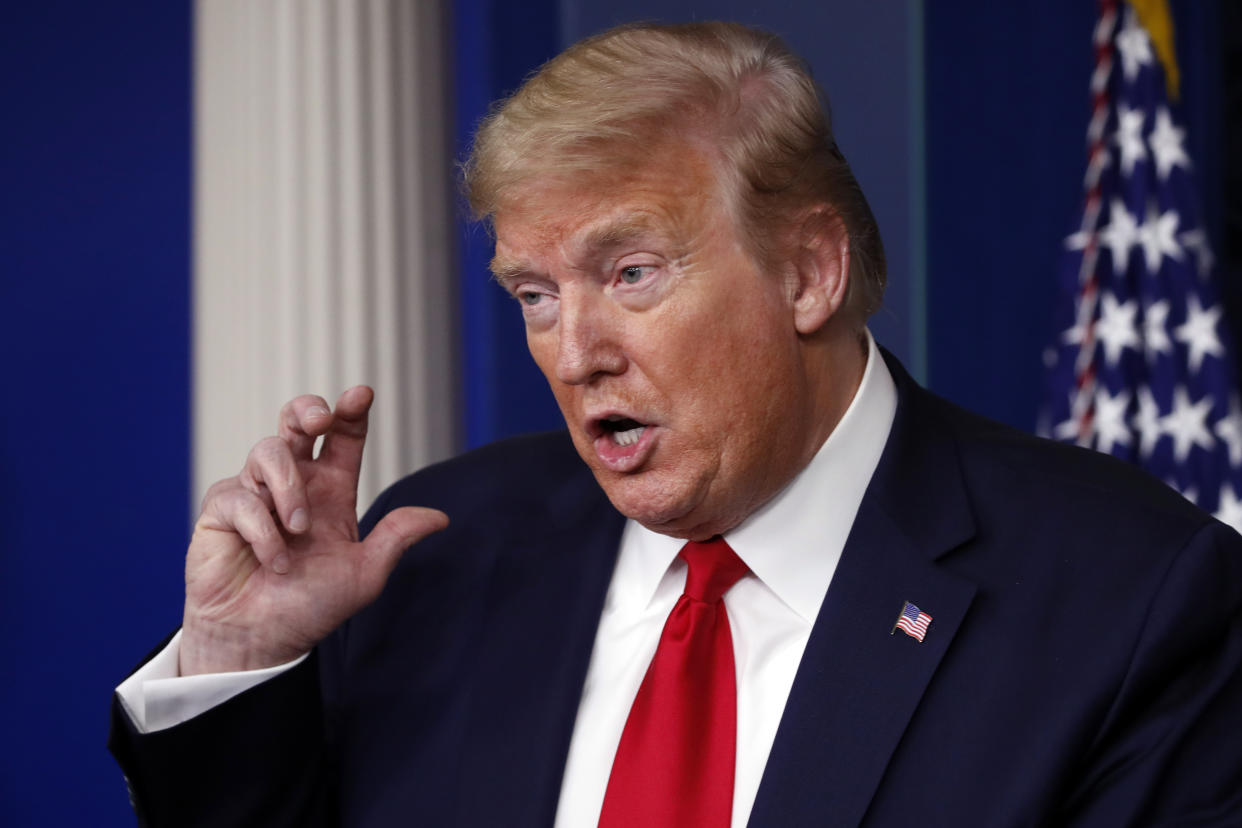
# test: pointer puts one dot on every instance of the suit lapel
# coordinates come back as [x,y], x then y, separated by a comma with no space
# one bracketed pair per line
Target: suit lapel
[859,683]
[542,610]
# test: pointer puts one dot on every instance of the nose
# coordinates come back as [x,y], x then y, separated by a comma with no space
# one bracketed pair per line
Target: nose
[588,340]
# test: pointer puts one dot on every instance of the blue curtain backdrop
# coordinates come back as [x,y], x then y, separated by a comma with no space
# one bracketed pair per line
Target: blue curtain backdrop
[94,425]
[497,44]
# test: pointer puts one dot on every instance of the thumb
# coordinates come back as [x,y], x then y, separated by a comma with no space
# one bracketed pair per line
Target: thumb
[397,531]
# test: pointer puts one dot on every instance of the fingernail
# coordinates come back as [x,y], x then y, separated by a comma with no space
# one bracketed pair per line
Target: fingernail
[280,564]
[298,521]
[317,411]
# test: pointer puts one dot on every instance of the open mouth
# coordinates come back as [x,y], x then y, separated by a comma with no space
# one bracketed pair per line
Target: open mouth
[623,430]
[621,443]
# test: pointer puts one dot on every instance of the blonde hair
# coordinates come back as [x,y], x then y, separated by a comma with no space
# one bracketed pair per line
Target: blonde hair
[607,102]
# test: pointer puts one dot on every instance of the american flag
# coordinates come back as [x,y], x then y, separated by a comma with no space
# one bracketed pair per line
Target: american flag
[912,621]
[1141,366]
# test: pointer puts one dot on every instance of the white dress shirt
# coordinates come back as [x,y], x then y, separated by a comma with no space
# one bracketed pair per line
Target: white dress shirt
[791,545]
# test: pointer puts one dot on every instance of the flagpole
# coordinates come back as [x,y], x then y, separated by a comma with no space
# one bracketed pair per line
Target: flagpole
[900,613]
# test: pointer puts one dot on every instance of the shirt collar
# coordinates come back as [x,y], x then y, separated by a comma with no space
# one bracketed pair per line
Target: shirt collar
[792,543]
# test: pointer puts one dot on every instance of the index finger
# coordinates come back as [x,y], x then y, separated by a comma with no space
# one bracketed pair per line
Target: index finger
[344,441]
[303,419]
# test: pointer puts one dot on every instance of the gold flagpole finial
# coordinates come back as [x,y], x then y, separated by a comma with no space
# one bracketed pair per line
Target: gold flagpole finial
[1156,18]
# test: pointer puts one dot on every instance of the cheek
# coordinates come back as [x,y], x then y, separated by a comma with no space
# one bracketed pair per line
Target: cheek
[748,380]
[743,343]
[542,348]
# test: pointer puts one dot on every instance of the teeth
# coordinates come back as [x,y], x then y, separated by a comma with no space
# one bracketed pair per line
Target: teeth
[630,437]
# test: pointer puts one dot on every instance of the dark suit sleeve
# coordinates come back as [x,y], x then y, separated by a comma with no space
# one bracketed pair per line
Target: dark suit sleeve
[258,759]
[1170,750]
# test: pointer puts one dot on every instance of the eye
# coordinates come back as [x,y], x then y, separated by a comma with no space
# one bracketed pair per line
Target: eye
[529,294]
[634,274]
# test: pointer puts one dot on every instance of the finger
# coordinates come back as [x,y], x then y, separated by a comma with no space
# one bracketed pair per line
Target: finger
[302,419]
[343,444]
[214,492]
[399,530]
[272,474]
[241,511]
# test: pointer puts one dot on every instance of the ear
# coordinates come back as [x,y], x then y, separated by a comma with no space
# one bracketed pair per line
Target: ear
[822,268]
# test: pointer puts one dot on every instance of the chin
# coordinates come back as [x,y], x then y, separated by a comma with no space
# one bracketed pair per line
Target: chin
[665,506]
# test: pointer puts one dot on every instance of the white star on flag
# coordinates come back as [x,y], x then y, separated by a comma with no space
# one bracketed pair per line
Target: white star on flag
[1116,328]
[1229,430]
[1198,333]
[1155,330]
[1134,46]
[1078,240]
[1075,334]
[1147,421]
[1110,420]
[1196,241]
[1130,137]
[1187,424]
[1166,144]
[1067,430]
[1119,235]
[1155,235]
[1230,509]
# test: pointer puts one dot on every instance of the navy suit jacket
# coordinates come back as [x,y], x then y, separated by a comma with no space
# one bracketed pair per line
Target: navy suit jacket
[1083,666]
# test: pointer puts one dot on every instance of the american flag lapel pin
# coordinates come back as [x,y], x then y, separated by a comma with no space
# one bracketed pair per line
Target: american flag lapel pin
[912,621]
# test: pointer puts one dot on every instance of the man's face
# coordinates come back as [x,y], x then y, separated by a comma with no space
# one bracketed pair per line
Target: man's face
[673,357]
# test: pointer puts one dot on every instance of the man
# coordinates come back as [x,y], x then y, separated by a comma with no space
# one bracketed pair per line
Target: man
[893,611]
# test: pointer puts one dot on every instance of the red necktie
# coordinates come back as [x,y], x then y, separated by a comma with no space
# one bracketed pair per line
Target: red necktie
[674,766]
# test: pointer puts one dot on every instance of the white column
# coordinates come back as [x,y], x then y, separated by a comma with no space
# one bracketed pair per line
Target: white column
[323,238]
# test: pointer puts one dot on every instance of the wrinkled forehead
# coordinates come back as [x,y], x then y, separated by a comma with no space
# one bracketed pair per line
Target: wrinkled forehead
[581,233]
[671,195]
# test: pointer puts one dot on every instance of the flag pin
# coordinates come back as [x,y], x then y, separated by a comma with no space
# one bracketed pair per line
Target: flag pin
[912,621]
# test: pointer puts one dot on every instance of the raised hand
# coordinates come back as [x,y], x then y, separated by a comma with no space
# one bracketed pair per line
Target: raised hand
[275,563]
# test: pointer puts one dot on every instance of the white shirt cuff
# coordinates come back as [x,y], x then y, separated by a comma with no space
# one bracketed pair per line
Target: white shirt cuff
[156,698]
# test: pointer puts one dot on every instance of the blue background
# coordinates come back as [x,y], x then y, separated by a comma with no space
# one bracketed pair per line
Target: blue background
[965,123]
[94,425]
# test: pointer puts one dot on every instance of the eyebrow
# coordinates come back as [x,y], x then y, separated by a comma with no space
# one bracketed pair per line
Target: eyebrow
[598,239]
[617,232]
[504,268]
